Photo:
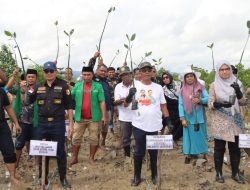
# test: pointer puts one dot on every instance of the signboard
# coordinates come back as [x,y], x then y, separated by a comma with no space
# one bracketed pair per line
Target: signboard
[43,148]
[244,140]
[159,141]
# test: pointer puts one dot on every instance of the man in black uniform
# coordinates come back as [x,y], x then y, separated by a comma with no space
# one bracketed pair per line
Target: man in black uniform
[6,143]
[53,97]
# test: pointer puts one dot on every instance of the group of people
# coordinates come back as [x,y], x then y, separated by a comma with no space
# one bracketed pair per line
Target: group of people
[144,104]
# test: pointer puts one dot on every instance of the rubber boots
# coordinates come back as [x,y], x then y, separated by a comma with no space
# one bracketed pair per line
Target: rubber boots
[137,172]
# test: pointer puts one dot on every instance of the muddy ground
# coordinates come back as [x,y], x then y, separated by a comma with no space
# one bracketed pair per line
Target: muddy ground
[112,172]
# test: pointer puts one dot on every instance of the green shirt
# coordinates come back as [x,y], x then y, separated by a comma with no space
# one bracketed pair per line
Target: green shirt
[96,96]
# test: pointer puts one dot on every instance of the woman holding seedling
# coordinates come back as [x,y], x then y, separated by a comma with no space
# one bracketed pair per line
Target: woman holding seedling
[226,122]
[192,98]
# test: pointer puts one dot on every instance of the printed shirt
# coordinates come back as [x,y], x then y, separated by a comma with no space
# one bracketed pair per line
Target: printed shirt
[148,116]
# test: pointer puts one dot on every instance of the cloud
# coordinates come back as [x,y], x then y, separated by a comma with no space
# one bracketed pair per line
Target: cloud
[177,31]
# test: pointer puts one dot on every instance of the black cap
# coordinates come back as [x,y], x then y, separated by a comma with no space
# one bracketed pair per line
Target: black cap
[32,71]
[87,69]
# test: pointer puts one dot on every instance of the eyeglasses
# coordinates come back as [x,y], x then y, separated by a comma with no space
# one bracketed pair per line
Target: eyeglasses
[165,78]
[49,71]
[144,70]
[226,69]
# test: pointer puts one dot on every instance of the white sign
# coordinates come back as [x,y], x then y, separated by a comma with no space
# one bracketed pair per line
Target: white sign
[43,148]
[244,140]
[159,141]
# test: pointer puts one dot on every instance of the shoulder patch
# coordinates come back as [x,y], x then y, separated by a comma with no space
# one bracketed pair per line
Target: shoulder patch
[68,92]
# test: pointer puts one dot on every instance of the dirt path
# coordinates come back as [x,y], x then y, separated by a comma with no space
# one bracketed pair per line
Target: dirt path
[113,172]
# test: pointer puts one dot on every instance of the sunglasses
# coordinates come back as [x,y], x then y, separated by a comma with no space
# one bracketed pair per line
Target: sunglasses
[49,71]
[165,78]
[144,70]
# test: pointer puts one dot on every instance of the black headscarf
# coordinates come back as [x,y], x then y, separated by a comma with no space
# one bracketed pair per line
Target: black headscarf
[170,85]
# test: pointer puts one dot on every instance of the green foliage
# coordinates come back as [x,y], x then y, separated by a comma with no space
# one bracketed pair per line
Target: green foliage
[7,62]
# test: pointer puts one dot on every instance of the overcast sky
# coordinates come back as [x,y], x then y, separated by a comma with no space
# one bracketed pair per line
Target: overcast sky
[177,31]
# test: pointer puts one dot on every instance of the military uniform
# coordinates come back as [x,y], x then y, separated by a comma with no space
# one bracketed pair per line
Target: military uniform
[52,102]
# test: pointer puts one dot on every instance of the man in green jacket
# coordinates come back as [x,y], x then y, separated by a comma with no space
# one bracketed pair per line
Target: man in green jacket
[89,111]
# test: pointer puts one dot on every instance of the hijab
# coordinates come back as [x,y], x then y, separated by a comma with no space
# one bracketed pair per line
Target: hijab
[188,92]
[172,89]
[222,86]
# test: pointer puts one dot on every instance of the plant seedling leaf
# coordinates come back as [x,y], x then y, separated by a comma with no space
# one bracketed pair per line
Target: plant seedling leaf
[7,33]
[212,45]
[154,60]
[126,46]
[56,23]
[127,37]
[149,53]
[66,33]
[132,37]
[14,34]
[248,24]
[110,9]
[25,58]
[67,45]
[113,8]
[160,59]
[72,31]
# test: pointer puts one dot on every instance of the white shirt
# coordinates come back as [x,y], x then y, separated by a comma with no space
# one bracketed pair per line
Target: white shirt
[148,117]
[125,113]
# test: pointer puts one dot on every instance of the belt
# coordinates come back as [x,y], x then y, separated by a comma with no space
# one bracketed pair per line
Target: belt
[50,119]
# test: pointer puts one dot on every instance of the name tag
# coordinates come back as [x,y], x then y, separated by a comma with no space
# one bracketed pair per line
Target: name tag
[57,101]
[43,88]
[244,140]
[159,141]
[41,91]
[57,89]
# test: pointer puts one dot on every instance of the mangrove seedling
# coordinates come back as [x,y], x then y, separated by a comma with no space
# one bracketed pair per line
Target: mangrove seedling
[13,37]
[69,34]
[117,53]
[57,37]
[147,54]
[111,9]
[238,66]
[211,47]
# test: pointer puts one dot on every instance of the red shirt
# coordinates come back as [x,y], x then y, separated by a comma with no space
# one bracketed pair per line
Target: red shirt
[86,102]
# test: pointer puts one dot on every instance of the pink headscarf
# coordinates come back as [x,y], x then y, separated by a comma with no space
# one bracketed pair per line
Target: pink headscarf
[188,92]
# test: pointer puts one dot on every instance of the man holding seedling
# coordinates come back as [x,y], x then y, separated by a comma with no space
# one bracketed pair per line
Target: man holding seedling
[147,119]
[53,97]
[26,116]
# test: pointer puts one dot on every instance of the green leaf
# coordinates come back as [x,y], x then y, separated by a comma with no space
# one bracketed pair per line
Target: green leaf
[127,37]
[132,37]
[7,33]
[56,23]
[154,60]
[14,34]
[66,33]
[160,59]
[110,9]
[248,24]
[67,45]
[149,53]
[212,45]
[126,46]
[72,31]
[113,8]
[25,58]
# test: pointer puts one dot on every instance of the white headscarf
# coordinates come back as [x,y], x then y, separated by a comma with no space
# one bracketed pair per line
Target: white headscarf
[222,86]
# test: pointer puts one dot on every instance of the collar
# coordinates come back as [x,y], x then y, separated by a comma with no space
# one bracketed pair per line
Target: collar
[53,83]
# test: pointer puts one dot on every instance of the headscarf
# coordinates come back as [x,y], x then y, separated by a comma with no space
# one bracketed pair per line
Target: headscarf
[222,86]
[171,90]
[188,92]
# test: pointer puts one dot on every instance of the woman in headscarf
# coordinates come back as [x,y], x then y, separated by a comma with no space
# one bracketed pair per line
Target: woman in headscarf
[226,121]
[171,91]
[192,98]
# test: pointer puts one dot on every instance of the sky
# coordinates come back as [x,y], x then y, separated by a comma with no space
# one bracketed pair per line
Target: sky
[178,31]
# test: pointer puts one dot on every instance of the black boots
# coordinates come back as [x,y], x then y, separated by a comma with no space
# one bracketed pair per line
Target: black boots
[137,172]
[153,166]
[127,151]
[235,162]
[218,168]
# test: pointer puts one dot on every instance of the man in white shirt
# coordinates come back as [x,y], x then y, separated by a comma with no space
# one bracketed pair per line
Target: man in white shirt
[147,119]
[124,109]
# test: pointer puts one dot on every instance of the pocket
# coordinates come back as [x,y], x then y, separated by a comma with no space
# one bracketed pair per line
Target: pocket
[57,98]
[41,99]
